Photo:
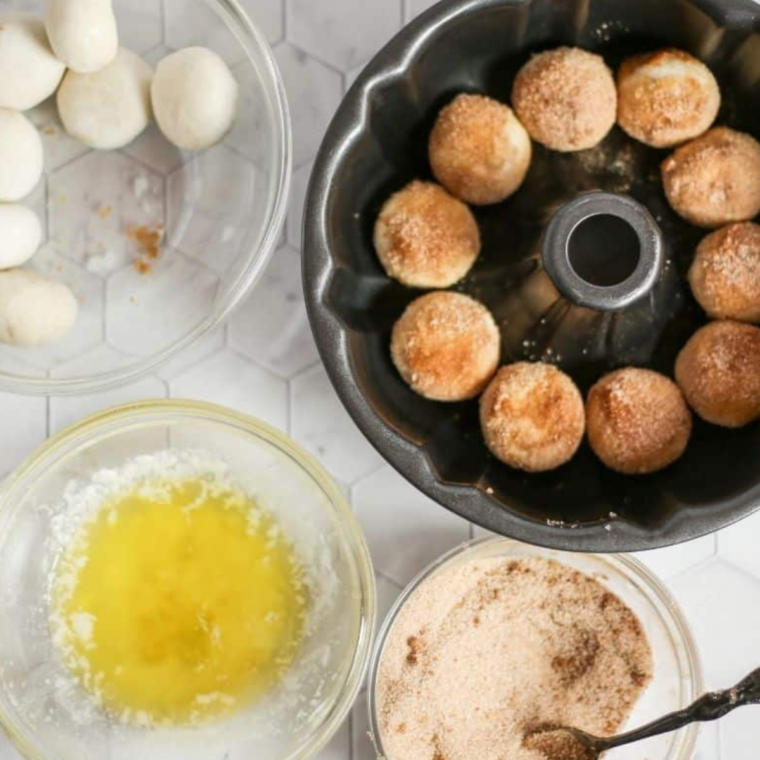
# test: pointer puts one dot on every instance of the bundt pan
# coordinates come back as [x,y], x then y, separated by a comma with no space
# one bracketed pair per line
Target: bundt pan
[587,318]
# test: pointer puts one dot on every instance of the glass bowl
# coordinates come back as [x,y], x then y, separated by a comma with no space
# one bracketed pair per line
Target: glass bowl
[293,723]
[220,212]
[677,671]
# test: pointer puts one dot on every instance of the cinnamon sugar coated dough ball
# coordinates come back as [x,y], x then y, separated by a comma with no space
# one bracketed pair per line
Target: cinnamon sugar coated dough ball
[566,99]
[425,238]
[725,274]
[478,150]
[638,421]
[532,416]
[666,98]
[718,371]
[715,179]
[446,346]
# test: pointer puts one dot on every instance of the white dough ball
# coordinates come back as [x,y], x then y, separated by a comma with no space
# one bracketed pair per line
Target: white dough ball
[21,156]
[195,98]
[20,235]
[82,33]
[29,71]
[109,108]
[34,311]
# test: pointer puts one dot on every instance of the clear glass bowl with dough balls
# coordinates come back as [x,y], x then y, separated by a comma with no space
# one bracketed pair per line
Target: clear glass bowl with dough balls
[677,673]
[144,177]
[48,715]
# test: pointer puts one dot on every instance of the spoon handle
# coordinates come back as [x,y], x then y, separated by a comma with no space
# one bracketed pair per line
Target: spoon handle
[710,706]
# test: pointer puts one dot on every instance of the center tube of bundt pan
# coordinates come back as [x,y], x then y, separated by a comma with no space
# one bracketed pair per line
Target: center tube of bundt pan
[603,251]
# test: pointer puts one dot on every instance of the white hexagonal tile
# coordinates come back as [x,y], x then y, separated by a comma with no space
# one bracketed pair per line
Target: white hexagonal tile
[339,747]
[140,24]
[206,346]
[738,735]
[148,312]
[478,532]
[66,410]
[362,747]
[739,544]
[95,205]
[723,606]
[24,424]
[195,23]
[413,8]
[213,201]
[250,132]
[322,425]
[298,188]
[233,381]
[153,150]
[277,300]
[88,330]
[314,93]
[343,32]
[349,77]
[395,514]
[387,594]
[60,149]
[707,742]
[668,563]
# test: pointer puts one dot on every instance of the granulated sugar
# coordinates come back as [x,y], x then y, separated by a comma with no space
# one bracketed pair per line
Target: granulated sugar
[488,651]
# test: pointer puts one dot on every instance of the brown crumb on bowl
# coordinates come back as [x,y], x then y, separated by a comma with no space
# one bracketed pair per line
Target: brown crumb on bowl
[105,211]
[148,239]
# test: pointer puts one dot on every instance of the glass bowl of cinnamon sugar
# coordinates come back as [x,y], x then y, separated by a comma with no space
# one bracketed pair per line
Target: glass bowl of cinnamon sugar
[157,244]
[497,638]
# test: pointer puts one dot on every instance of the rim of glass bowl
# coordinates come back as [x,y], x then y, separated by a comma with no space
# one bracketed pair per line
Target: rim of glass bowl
[669,613]
[251,39]
[93,428]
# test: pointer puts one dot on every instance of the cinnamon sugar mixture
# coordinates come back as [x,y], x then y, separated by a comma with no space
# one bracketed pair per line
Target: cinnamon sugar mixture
[486,652]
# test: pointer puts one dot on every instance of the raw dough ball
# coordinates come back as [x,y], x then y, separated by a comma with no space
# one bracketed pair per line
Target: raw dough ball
[21,156]
[34,311]
[478,150]
[718,371]
[110,108]
[714,179]
[194,98]
[29,72]
[638,421]
[566,99]
[424,238]
[82,33]
[446,346]
[20,235]
[725,274]
[532,416]
[666,98]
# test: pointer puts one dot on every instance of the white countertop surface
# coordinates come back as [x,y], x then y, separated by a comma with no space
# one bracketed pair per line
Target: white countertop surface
[320,45]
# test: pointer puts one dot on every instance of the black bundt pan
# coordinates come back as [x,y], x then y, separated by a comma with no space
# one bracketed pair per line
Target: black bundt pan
[377,143]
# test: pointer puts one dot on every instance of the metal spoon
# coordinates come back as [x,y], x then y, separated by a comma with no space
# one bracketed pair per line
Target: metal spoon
[711,706]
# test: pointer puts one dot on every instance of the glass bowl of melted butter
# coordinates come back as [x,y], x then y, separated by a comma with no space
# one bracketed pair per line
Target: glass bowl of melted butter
[179,582]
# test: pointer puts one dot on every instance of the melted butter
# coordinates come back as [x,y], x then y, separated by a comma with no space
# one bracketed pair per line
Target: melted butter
[179,602]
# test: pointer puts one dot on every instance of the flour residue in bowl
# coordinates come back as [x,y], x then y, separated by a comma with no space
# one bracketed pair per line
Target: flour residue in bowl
[487,652]
[177,597]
